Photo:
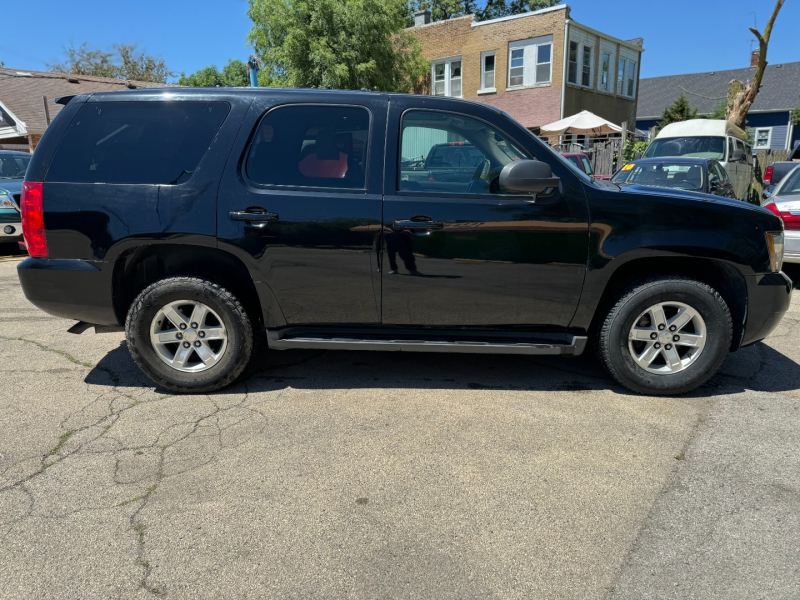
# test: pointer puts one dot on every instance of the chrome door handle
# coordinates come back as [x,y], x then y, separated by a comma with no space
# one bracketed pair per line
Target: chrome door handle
[426,225]
[243,215]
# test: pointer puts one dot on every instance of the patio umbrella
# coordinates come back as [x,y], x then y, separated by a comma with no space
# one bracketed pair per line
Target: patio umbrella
[584,123]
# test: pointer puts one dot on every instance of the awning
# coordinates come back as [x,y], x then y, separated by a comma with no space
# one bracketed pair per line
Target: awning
[584,123]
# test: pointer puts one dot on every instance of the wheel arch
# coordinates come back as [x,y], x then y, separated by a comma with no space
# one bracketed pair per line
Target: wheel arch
[725,278]
[139,267]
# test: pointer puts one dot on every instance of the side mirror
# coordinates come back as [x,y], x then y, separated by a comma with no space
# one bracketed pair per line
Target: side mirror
[714,183]
[738,155]
[766,194]
[527,176]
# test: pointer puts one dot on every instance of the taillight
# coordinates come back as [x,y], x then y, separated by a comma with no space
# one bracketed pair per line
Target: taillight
[791,220]
[768,175]
[33,219]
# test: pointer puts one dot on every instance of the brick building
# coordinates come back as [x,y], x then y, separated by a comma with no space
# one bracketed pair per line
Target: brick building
[27,101]
[518,65]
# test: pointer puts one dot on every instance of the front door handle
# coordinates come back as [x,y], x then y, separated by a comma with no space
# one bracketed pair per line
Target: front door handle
[246,215]
[418,225]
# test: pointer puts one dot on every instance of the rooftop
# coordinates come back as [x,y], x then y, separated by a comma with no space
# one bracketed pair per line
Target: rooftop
[780,89]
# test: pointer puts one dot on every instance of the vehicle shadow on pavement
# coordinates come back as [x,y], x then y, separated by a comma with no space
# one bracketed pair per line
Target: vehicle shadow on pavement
[758,368]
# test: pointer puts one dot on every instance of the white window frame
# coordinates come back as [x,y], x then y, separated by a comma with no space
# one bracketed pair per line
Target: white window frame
[769,138]
[584,40]
[609,48]
[533,69]
[448,79]
[630,57]
[484,88]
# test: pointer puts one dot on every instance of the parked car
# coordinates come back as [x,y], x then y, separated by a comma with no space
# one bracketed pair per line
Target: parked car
[777,170]
[784,201]
[198,219]
[702,175]
[447,165]
[709,138]
[582,161]
[12,173]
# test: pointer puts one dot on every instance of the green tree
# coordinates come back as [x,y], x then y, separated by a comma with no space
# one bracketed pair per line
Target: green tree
[234,74]
[125,62]
[343,44]
[441,10]
[720,110]
[796,115]
[680,110]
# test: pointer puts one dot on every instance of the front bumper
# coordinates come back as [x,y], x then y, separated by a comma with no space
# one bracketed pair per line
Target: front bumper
[10,225]
[71,289]
[768,298]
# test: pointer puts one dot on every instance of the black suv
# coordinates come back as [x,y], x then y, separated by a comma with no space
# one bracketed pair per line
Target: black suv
[199,220]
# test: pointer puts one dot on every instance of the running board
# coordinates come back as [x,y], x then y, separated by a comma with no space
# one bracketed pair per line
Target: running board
[478,343]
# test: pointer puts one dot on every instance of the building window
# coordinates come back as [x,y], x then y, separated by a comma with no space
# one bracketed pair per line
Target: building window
[605,72]
[487,71]
[763,137]
[626,78]
[543,62]
[516,72]
[530,62]
[586,74]
[446,75]
[572,76]
[631,79]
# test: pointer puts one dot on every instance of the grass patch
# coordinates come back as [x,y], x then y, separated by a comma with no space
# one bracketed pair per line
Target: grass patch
[61,441]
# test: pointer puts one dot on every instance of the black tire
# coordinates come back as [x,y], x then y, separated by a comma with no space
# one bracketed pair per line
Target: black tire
[239,332]
[613,335]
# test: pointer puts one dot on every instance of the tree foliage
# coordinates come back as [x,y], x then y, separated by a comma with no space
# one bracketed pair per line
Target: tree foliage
[343,44]
[720,110]
[795,116]
[125,62]
[234,74]
[680,110]
[492,9]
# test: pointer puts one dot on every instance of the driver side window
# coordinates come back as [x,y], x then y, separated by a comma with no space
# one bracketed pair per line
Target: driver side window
[451,154]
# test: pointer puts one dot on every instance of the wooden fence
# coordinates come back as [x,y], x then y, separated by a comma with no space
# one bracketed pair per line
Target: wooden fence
[603,155]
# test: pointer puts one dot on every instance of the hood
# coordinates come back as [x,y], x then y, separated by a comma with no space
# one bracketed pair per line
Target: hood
[662,192]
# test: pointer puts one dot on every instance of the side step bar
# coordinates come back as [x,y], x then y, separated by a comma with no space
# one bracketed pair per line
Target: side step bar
[551,344]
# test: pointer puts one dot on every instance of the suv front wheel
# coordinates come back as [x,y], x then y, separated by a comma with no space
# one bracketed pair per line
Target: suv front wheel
[189,335]
[666,336]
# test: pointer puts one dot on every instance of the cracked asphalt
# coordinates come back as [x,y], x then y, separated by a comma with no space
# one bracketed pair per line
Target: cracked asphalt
[383,475]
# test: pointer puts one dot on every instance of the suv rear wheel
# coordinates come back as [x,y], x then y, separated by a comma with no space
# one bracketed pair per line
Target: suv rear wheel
[666,336]
[189,335]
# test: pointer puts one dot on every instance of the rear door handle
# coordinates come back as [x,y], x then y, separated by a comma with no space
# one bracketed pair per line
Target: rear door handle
[246,215]
[418,225]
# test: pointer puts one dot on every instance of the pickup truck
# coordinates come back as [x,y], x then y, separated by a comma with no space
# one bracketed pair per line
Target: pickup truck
[202,220]
[778,170]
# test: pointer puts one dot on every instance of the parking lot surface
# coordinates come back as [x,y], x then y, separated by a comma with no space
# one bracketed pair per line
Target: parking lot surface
[386,475]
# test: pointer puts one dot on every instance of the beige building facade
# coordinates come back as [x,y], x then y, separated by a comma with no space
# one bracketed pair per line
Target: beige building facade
[538,67]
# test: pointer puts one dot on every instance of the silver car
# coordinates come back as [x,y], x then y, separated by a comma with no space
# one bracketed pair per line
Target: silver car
[784,200]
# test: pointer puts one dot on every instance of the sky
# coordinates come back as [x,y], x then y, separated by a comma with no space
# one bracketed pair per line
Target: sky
[680,36]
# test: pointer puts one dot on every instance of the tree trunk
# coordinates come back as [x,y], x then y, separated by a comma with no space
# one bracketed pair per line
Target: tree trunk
[741,96]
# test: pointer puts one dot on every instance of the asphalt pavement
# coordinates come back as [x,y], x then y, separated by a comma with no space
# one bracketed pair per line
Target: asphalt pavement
[383,475]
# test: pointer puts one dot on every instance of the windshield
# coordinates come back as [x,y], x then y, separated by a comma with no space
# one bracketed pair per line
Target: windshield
[700,147]
[13,166]
[669,175]
[790,186]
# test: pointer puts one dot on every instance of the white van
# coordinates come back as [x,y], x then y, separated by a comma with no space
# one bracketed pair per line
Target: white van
[709,138]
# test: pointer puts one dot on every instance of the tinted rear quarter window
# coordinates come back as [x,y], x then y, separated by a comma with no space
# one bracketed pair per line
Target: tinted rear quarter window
[155,142]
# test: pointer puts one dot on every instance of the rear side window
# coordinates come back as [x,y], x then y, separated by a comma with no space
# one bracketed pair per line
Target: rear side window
[136,142]
[311,146]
